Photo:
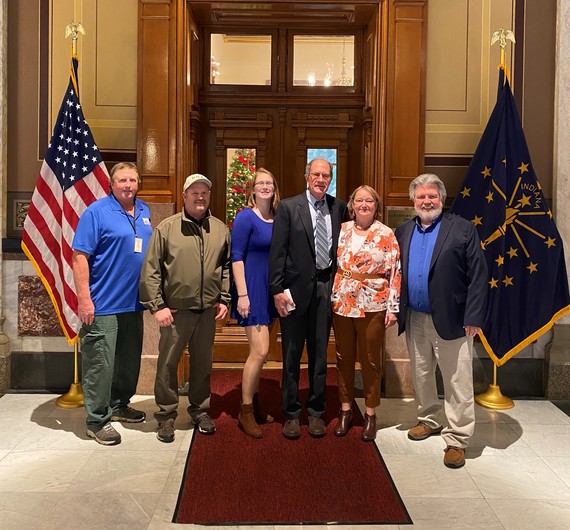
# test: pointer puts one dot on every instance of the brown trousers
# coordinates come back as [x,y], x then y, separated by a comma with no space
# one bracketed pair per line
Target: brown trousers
[359,339]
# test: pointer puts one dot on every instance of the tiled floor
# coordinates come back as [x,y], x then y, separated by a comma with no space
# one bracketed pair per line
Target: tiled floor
[517,474]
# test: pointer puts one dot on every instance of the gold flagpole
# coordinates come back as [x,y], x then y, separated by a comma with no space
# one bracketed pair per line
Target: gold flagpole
[74,397]
[493,398]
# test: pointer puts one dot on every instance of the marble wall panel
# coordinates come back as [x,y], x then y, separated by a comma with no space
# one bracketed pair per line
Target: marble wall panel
[36,314]
[13,267]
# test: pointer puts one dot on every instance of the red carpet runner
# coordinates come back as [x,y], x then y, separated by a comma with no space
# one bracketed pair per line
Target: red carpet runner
[233,479]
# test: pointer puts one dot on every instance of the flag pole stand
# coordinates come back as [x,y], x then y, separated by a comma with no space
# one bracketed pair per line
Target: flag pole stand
[493,398]
[73,398]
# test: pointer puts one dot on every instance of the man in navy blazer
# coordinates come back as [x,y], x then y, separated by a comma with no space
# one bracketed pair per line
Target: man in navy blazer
[442,307]
[294,264]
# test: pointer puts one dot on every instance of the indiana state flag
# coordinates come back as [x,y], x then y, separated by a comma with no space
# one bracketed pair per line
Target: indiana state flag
[528,283]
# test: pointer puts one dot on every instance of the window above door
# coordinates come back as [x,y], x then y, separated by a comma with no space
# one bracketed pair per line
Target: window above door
[323,60]
[240,59]
[302,61]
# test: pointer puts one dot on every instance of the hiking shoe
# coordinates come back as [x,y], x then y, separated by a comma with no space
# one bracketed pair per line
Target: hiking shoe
[292,429]
[128,415]
[422,431]
[165,431]
[107,435]
[454,457]
[205,424]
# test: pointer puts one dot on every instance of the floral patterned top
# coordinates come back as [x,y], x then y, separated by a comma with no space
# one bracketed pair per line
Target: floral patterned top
[379,254]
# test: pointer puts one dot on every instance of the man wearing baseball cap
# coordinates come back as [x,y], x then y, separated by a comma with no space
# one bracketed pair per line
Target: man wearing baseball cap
[185,285]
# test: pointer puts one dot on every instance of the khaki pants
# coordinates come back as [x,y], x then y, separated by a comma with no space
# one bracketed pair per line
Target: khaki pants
[455,360]
[359,339]
[195,329]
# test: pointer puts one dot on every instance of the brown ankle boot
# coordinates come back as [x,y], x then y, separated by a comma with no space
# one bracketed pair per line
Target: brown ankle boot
[261,416]
[247,423]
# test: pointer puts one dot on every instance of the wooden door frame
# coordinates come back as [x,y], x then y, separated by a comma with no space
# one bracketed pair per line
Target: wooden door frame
[395,62]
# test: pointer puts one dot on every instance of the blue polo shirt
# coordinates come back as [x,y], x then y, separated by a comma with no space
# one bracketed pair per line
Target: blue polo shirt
[419,260]
[107,233]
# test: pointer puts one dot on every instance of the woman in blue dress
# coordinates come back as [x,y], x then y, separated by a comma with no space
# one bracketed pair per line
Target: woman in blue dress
[252,304]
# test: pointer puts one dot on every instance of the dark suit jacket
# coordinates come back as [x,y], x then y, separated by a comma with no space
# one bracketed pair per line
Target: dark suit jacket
[292,253]
[457,280]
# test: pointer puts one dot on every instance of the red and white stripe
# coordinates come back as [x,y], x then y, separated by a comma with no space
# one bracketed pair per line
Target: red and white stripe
[48,235]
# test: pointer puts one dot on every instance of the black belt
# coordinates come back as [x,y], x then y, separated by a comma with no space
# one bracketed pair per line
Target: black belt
[324,275]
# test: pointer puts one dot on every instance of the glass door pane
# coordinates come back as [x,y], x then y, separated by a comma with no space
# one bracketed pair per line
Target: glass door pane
[240,172]
[330,156]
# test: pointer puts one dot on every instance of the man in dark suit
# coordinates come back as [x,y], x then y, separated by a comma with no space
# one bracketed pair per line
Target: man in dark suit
[442,307]
[302,259]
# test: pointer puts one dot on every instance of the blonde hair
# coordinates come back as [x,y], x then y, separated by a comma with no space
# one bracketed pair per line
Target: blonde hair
[251,193]
[375,196]
[123,165]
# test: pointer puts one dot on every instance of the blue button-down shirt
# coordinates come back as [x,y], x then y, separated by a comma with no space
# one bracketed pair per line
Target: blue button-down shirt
[419,260]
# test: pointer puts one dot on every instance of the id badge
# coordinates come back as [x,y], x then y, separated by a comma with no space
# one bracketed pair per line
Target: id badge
[138,244]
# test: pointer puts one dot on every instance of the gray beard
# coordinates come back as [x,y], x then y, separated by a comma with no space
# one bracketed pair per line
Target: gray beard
[429,216]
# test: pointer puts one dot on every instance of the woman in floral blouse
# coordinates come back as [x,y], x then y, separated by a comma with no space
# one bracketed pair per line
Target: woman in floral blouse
[365,301]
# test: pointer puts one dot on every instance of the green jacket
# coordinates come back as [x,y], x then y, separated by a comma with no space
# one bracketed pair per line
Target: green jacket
[187,265]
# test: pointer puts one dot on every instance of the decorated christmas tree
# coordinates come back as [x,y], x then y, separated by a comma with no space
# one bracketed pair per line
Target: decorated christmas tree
[239,178]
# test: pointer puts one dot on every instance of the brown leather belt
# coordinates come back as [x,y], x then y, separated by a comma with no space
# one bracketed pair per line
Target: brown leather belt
[358,275]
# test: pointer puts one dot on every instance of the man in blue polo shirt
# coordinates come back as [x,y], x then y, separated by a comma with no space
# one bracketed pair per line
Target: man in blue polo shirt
[442,307]
[108,250]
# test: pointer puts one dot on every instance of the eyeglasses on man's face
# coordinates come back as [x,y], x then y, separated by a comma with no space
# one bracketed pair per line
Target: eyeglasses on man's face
[318,174]
[362,201]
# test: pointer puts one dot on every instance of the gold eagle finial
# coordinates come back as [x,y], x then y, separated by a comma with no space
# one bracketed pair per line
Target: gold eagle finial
[74,29]
[502,36]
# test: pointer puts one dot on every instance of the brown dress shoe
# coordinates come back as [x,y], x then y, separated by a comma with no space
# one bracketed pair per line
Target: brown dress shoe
[261,416]
[454,457]
[344,422]
[422,431]
[246,421]
[292,429]
[369,431]
[317,427]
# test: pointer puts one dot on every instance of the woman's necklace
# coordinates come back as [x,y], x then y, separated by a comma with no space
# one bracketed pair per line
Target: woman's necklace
[362,228]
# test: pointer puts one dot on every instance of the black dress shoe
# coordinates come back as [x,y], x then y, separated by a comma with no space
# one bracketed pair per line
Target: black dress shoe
[317,427]
[292,429]
[344,422]
[369,431]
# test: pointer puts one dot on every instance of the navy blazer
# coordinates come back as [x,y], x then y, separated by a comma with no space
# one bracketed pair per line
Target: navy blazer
[457,280]
[292,254]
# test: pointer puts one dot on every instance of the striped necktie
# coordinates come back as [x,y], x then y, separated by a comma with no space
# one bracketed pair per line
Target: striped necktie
[321,237]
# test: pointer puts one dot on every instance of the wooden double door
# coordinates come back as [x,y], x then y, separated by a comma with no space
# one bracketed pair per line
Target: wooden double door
[187,125]
[284,139]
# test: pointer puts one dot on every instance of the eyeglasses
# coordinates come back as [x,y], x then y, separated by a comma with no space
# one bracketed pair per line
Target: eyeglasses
[265,184]
[196,194]
[317,174]
[360,201]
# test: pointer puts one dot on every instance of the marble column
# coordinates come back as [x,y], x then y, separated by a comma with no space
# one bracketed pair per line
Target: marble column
[4,341]
[558,383]
[561,184]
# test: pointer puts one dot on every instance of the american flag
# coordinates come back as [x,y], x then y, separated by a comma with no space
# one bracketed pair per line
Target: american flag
[73,175]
